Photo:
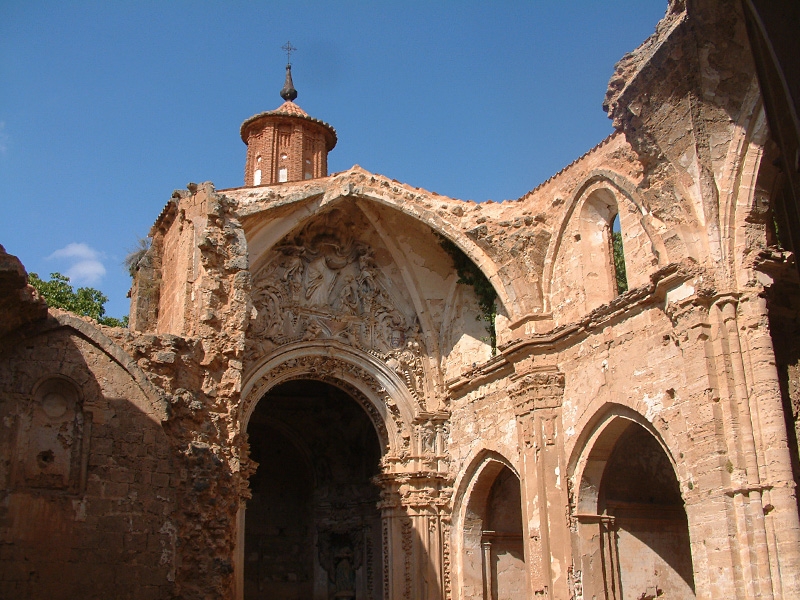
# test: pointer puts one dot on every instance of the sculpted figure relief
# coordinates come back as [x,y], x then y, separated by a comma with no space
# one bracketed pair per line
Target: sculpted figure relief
[324,284]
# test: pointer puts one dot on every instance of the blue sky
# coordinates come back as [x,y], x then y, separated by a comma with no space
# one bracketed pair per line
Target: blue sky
[108,106]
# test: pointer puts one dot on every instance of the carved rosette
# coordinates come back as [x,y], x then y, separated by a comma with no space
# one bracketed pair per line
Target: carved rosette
[324,285]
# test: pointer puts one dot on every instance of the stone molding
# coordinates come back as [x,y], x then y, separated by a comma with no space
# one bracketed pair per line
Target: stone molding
[337,372]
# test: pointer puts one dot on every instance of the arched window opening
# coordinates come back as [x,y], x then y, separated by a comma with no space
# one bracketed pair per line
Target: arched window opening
[774,204]
[618,256]
[598,249]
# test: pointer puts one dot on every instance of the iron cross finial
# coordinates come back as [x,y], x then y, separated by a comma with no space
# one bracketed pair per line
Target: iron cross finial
[288,48]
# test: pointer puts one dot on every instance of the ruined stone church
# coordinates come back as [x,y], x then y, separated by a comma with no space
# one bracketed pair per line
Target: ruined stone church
[344,387]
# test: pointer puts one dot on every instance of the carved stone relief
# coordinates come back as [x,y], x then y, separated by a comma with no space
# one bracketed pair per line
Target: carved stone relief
[325,284]
[327,369]
[341,554]
[52,450]
[533,392]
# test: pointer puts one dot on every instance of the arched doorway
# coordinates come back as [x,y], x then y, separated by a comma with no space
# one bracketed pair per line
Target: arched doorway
[634,537]
[312,527]
[493,562]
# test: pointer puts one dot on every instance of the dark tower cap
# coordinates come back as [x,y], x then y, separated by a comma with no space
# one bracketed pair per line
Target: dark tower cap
[288,92]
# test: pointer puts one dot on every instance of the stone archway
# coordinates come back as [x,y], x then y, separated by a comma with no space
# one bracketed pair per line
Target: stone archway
[414,489]
[632,528]
[312,528]
[492,561]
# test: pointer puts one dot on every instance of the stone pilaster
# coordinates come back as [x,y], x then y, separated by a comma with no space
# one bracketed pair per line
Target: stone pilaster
[770,488]
[415,513]
[537,397]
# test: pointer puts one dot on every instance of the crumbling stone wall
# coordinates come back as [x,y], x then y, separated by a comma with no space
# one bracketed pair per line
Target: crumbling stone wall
[147,468]
[89,478]
[199,374]
[128,447]
[19,303]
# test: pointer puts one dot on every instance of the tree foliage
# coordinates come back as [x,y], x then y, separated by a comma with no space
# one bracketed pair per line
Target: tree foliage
[85,301]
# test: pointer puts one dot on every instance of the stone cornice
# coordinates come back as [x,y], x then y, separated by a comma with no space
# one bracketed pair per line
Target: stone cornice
[663,281]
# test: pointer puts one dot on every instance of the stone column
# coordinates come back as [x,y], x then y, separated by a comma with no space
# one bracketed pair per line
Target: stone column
[709,510]
[740,503]
[537,397]
[770,485]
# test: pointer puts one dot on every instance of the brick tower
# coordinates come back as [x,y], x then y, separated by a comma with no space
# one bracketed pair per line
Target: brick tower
[286,144]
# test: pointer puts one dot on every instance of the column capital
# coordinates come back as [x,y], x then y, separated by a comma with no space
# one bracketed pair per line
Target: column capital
[535,389]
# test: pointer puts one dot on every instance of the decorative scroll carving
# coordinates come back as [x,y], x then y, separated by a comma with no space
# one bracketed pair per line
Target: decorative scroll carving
[446,584]
[408,545]
[415,506]
[370,557]
[419,493]
[330,370]
[322,284]
[386,551]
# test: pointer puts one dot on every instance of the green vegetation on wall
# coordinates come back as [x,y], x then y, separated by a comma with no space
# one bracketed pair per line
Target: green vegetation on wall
[619,262]
[469,274]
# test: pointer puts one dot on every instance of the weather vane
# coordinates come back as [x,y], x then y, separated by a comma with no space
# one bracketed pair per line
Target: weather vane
[288,48]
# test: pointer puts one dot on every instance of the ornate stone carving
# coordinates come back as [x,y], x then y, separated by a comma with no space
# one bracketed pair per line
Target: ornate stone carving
[322,284]
[446,584]
[426,493]
[406,530]
[341,555]
[370,556]
[330,370]
[386,554]
[537,389]
[575,582]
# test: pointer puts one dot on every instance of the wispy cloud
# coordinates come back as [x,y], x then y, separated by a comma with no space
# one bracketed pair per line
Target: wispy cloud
[84,263]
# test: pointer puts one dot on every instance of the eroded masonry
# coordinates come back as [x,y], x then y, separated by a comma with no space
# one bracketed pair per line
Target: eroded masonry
[310,402]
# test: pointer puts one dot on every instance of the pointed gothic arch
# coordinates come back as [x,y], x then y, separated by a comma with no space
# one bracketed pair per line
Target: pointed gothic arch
[632,532]
[488,530]
[352,186]
[590,212]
